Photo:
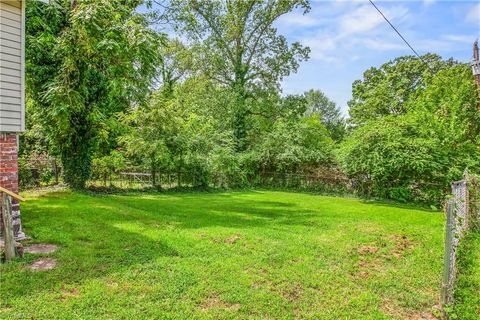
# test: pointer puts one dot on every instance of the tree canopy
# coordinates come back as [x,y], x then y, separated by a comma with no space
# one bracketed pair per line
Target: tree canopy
[86,61]
[330,115]
[417,154]
[106,88]
[237,45]
[386,90]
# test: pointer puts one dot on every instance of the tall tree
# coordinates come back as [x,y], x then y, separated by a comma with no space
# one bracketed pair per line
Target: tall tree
[176,64]
[238,46]
[387,90]
[86,61]
[168,134]
[330,115]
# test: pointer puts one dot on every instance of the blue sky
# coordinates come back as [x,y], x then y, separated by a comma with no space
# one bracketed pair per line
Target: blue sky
[348,37]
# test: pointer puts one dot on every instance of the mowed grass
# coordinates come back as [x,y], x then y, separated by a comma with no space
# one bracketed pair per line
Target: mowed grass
[244,255]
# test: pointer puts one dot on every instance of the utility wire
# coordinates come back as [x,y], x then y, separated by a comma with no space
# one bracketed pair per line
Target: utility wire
[398,32]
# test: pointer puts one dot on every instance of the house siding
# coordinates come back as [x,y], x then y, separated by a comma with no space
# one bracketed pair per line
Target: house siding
[12,82]
[12,98]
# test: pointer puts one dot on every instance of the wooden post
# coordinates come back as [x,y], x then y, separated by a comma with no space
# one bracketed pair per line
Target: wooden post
[6,213]
[6,209]
[474,203]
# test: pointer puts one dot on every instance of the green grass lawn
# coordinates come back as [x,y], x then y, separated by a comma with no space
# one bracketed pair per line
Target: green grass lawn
[467,293]
[248,255]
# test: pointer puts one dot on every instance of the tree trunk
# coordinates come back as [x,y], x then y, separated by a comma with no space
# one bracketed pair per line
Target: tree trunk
[154,177]
[55,168]
[240,115]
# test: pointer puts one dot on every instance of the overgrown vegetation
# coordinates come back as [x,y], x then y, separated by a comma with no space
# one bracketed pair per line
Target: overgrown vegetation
[86,61]
[106,89]
[467,289]
[413,134]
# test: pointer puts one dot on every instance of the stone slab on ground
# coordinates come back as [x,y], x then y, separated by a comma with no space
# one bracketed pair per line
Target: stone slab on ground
[39,248]
[43,264]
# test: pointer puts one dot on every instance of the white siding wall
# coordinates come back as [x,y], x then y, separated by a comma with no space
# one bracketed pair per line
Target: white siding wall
[12,66]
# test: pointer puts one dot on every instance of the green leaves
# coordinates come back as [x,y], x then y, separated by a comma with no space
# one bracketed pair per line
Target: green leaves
[292,145]
[176,133]
[388,89]
[85,63]
[237,46]
[330,115]
[418,152]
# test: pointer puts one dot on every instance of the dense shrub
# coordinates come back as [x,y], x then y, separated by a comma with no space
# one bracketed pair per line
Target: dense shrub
[391,158]
[38,170]
[417,154]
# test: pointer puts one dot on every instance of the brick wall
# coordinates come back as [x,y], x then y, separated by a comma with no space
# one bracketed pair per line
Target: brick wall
[9,175]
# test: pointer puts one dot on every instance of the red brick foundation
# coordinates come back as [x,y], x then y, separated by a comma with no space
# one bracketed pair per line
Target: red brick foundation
[9,175]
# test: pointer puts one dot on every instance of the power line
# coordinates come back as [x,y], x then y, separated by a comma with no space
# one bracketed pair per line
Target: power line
[398,32]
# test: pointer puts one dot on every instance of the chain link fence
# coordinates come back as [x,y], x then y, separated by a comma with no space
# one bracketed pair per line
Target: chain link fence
[325,181]
[462,211]
[39,171]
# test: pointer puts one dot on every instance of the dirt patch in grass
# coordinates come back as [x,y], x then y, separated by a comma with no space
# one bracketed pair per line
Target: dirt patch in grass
[69,293]
[43,264]
[368,262]
[40,248]
[232,239]
[402,244]
[290,291]
[373,257]
[364,250]
[362,274]
[261,275]
[298,260]
[291,294]
[397,312]
[215,302]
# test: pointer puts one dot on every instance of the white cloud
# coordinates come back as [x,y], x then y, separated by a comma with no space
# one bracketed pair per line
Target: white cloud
[365,18]
[428,3]
[381,45]
[473,15]
[459,38]
[357,26]
[321,46]
[297,19]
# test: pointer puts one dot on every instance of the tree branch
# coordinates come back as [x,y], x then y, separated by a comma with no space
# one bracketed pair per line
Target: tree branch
[215,30]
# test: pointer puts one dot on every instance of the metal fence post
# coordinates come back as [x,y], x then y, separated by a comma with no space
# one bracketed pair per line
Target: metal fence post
[447,261]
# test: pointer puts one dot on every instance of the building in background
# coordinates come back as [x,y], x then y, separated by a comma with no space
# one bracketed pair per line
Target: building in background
[476,63]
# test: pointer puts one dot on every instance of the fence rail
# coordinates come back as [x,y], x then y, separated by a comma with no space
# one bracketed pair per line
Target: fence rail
[140,180]
[39,171]
[331,181]
[9,246]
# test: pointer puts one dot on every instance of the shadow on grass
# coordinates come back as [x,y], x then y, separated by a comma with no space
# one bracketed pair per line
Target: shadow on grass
[100,236]
[395,204]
